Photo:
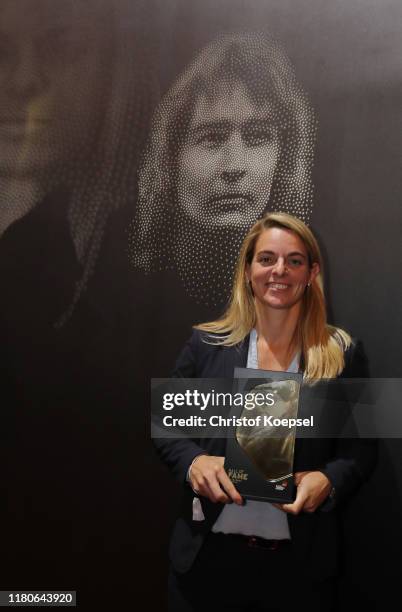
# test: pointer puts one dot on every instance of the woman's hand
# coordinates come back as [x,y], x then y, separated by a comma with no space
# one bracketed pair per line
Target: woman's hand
[208,478]
[313,489]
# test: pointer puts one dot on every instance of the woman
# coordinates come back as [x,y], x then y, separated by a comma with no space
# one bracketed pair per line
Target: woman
[227,555]
[231,139]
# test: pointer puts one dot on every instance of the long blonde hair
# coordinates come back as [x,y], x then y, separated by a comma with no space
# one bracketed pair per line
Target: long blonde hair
[322,345]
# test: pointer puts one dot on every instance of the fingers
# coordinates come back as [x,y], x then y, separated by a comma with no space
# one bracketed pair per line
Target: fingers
[298,505]
[209,479]
[298,477]
[312,489]
[229,487]
[212,485]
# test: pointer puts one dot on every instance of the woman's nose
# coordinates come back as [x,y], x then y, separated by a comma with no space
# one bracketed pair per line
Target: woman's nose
[280,267]
[232,176]
[233,160]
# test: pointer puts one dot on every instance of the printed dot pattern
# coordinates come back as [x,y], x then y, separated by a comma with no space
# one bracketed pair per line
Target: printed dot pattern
[232,139]
[73,103]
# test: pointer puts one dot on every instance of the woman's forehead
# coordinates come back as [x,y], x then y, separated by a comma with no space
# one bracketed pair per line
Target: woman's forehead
[228,102]
[280,240]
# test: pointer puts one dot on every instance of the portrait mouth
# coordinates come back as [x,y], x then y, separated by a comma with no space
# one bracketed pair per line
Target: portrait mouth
[231,202]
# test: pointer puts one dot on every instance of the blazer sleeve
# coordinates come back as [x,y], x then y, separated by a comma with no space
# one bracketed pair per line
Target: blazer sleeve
[355,458]
[179,453]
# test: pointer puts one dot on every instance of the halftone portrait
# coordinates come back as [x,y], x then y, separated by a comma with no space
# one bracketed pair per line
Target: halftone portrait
[231,139]
[69,79]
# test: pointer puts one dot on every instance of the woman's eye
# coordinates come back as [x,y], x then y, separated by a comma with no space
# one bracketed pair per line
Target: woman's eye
[267,260]
[258,133]
[212,138]
[295,263]
[257,138]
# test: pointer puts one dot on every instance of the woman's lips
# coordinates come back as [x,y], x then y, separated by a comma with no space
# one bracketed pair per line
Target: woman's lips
[278,286]
[230,201]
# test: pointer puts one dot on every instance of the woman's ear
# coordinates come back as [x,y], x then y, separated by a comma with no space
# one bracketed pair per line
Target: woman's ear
[247,273]
[314,272]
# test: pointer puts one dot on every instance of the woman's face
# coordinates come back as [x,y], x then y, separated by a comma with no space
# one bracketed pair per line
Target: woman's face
[227,163]
[49,83]
[280,272]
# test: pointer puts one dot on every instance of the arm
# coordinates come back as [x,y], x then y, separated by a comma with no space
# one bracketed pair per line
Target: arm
[352,464]
[355,458]
[178,454]
[189,462]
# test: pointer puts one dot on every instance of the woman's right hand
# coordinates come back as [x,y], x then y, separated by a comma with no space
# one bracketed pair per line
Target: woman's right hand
[208,478]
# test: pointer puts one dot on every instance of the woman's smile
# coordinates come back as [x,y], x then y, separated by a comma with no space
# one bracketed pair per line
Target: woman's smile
[280,272]
[277,286]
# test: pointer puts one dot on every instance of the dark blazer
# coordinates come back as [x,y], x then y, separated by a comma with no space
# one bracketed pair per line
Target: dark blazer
[346,462]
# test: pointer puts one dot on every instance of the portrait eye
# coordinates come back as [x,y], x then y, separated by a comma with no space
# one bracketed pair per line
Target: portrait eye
[258,134]
[212,138]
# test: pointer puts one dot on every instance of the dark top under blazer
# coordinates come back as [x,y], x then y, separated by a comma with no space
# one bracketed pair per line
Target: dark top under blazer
[346,462]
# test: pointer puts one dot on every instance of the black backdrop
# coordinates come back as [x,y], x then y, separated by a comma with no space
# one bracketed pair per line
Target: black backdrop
[86,504]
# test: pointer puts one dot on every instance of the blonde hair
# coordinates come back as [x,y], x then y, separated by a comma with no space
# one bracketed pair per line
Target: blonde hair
[322,345]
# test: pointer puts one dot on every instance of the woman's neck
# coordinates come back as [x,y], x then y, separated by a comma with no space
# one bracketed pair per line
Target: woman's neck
[277,336]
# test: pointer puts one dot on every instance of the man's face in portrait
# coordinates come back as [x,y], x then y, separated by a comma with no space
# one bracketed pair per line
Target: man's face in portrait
[49,95]
[227,163]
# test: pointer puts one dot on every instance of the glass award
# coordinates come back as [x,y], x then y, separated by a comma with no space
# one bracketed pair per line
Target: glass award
[260,448]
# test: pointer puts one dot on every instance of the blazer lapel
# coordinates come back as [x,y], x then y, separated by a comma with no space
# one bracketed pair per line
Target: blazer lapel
[235,356]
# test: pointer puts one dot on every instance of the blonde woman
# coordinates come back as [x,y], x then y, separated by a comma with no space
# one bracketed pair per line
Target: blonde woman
[234,556]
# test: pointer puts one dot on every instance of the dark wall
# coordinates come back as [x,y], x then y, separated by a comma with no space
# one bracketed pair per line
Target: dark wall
[87,506]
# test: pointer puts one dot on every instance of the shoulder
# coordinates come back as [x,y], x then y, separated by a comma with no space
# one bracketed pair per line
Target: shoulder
[207,338]
[204,343]
[203,355]
[194,353]
[207,342]
[354,356]
[356,362]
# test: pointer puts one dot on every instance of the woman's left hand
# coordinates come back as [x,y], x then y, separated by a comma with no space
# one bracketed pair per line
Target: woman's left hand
[313,489]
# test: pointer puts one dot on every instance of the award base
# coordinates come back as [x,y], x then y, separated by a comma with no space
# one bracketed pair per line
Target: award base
[250,483]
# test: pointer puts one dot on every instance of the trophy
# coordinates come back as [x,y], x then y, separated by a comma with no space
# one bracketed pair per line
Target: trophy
[260,449]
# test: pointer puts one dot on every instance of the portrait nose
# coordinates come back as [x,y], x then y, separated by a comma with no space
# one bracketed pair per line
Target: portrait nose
[27,74]
[232,176]
[233,162]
